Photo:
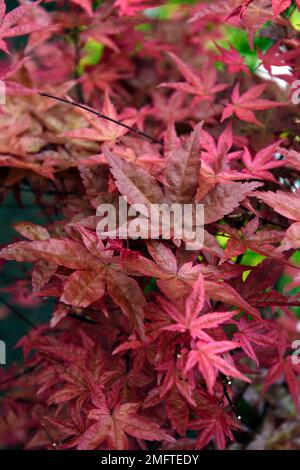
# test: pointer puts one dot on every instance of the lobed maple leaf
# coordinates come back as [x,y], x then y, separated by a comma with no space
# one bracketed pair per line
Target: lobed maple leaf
[67,253]
[286,204]
[70,430]
[112,427]
[87,284]
[101,130]
[203,86]
[214,421]
[177,282]
[252,16]
[207,356]
[9,23]
[280,5]
[173,280]
[224,198]
[102,79]
[181,176]
[259,165]
[178,412]
[284,366]
[217,154]
[251,332]
[224,292]
[182,169]
[240,9]
[244,105]
[249,237]
[215,161]
[83,288]
[134,182]
[232,58]
[191,320]
[173,105]
[272,57]
[11,87]
[175,380]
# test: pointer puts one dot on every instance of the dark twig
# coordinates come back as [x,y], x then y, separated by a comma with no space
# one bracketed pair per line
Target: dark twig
[103,116]
[25,372]
[83,319]
[17,313]
[226,381]
[52,442]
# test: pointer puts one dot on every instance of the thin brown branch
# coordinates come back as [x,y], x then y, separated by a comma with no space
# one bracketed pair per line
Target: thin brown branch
[102,116]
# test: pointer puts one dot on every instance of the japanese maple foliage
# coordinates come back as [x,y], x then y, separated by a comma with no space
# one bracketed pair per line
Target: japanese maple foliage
[150,345]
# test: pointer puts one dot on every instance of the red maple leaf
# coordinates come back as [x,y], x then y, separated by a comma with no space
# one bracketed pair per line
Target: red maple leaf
[191,320]
[244,105]
[207,356]
[232,58]
[203,85]
[12,87]
[100,130]
[259,165]
[284,366]
[251,15]
[214,422]
[286,204]
[9,23]
[87,284]
[113,426]
[280,5]
[251,332]
[218,154]
[259,241]
[271,57]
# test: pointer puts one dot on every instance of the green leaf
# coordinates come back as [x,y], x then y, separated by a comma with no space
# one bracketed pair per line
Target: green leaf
[93,54]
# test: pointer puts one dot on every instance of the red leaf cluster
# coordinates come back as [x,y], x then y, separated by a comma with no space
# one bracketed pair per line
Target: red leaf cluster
[145,335]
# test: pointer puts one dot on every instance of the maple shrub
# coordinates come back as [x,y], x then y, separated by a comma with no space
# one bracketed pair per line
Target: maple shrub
[151,345]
